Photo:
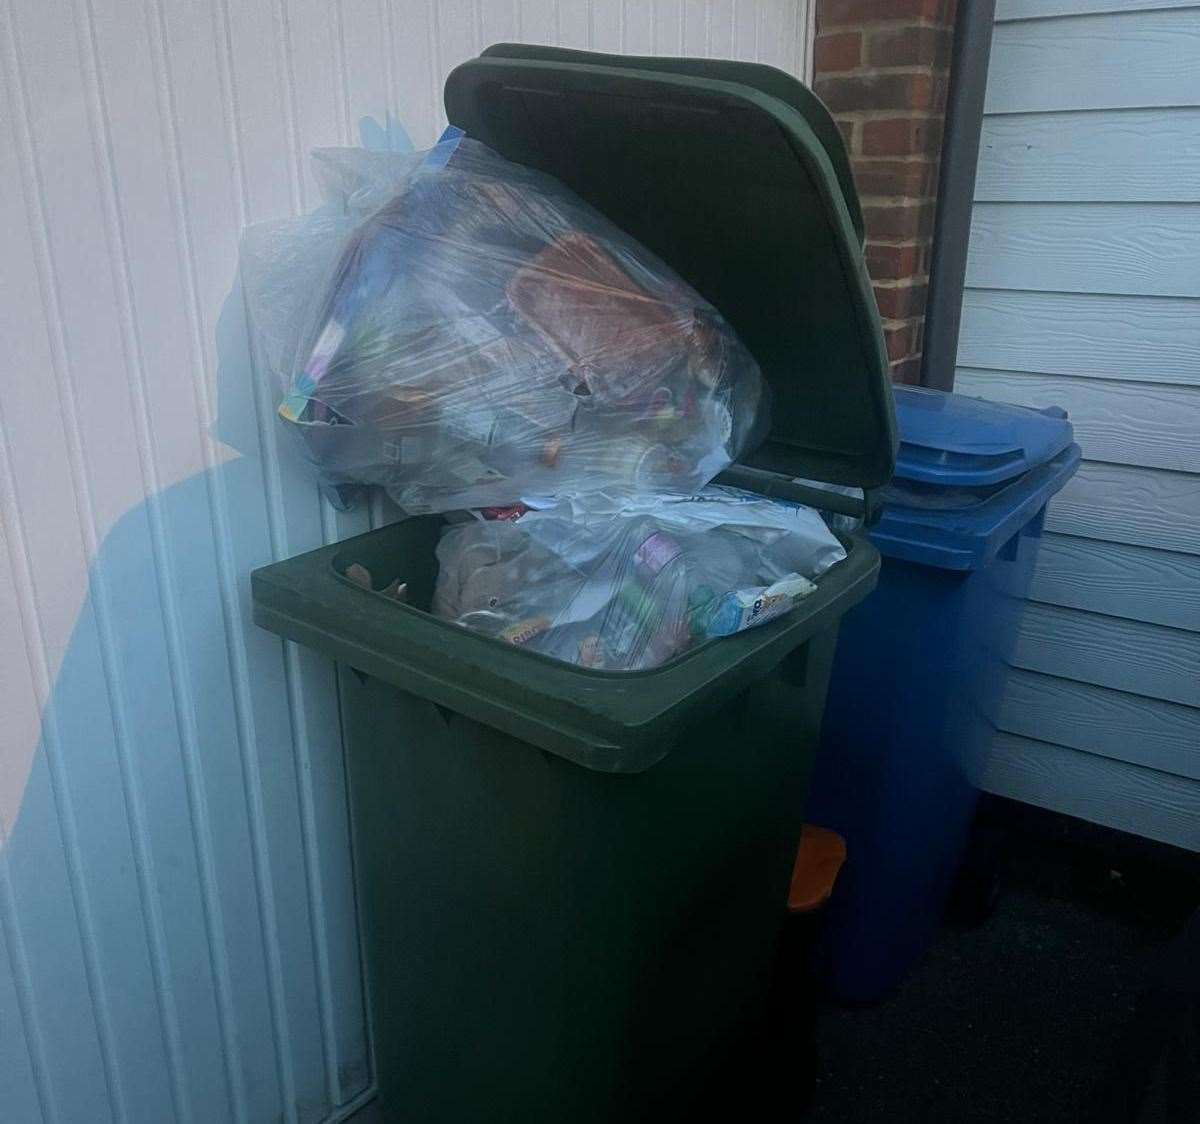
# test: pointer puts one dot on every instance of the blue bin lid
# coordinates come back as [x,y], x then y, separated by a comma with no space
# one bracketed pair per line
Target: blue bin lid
[957,441]
[964,535]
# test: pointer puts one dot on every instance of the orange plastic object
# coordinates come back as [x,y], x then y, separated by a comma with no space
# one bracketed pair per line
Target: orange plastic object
[819,858]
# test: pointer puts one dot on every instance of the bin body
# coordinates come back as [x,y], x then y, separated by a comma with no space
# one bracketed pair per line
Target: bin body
[899,777]
[919,675]
[549,943]
[572,881]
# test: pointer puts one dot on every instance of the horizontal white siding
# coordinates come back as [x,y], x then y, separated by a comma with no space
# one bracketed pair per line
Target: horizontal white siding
[1133,656]
[1139,506]
[1134,582]
[177,936]
[1083,291]
[1117,724]
[1118,60]
[1007,10]
[1100,156]
[1145,248]
[1146,339]
[1131,798]
[1121,422]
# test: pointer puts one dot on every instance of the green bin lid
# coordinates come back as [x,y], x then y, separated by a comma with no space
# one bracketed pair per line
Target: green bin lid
[735,175]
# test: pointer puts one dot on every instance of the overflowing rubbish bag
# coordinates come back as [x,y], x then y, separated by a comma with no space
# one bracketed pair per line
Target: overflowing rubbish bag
[469,334]
[481,336]
[626,582]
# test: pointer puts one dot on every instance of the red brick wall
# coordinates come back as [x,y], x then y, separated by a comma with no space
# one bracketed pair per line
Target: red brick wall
[882,67]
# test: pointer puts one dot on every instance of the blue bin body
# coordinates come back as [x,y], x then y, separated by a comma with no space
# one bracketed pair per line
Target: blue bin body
[920,670]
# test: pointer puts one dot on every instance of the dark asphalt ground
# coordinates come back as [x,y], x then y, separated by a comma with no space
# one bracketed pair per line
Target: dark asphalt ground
[1027,1016]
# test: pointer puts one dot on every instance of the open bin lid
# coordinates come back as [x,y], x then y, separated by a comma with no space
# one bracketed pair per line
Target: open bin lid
[734,174]
[609,721]
[956,441]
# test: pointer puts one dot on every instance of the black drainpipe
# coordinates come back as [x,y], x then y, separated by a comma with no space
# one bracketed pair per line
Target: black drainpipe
[956,189]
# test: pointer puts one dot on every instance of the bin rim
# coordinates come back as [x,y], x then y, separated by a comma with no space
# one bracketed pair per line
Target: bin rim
[616,722]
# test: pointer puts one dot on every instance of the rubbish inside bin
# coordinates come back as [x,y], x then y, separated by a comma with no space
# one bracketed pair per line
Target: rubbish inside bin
[627,582]
[361,576]
[485,336]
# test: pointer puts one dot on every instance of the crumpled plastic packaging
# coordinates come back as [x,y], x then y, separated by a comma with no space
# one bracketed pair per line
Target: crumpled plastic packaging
[628,582]
[479,335]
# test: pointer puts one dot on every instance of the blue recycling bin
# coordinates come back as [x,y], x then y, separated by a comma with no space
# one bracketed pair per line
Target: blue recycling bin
[920,669]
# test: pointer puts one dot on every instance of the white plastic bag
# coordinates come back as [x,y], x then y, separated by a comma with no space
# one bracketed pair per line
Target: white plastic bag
[628,582]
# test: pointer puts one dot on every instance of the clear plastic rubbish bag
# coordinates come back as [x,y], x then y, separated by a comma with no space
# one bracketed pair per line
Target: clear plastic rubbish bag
[626,583]
[484,336]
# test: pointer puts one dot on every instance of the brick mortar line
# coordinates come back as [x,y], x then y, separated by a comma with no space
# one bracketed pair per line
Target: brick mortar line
[889,242]
[895,200]
[849,115]
[899,158]
[910,282]
[878,70]
[897,23]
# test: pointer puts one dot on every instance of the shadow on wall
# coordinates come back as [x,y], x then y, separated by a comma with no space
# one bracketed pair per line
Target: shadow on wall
[176,884]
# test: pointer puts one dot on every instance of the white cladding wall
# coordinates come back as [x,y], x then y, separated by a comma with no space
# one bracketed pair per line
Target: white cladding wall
[1084,291]
[177,938]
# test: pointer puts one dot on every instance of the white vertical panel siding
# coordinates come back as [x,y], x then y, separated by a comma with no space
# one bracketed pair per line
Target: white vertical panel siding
[177,938]
[1083,291]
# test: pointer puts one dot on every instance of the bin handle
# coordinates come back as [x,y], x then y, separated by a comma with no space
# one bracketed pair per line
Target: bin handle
[775,485]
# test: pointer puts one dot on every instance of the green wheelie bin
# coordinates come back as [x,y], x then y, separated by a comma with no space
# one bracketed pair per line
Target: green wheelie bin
[572,881]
